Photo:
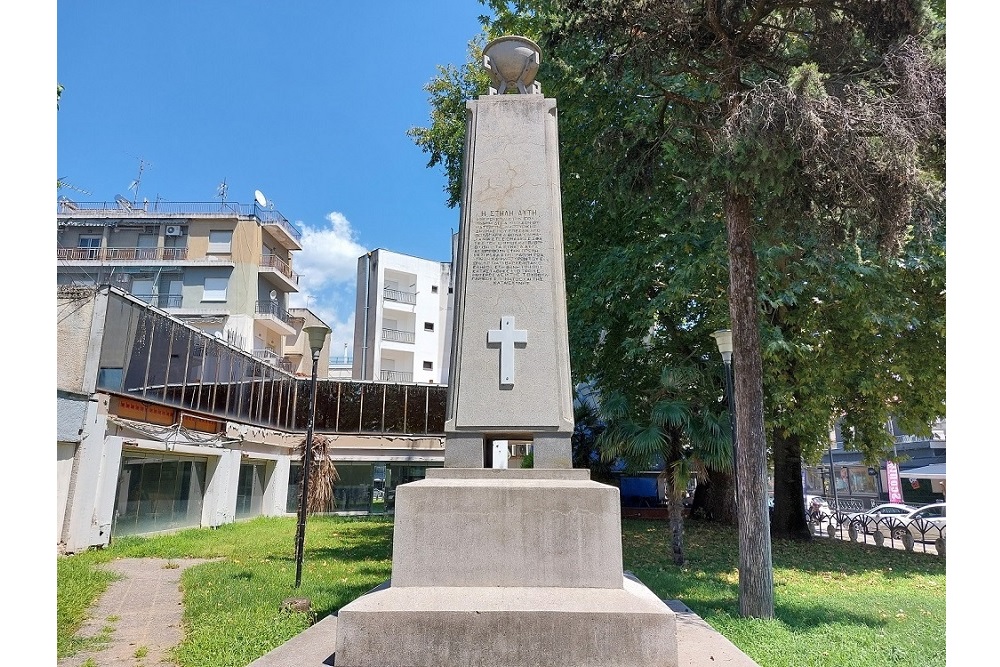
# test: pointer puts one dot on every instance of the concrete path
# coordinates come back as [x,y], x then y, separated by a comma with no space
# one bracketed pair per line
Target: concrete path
[142,612]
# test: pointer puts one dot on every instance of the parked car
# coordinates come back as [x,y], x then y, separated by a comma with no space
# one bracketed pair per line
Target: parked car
[924,524]
[867,522]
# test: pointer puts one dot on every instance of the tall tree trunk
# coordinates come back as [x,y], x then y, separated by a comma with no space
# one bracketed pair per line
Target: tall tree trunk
[756,577]
[676,525]
[717,498]
[789,520]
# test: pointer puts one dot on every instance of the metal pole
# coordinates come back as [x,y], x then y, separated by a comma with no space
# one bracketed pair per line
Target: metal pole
[732,425]
[300,532]
[833,481]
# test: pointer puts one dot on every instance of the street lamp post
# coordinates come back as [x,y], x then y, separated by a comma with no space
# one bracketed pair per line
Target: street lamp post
[317,334]
[724,341]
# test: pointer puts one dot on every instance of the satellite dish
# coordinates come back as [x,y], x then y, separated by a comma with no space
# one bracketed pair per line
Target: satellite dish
[259,196]
[274,294]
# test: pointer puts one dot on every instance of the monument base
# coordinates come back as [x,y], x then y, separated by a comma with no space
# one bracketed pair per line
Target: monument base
[507,568]
[463,626]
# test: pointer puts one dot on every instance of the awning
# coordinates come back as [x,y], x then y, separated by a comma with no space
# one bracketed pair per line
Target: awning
[934,471]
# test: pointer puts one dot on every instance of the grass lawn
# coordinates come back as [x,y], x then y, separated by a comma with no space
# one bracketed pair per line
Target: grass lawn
[837,603]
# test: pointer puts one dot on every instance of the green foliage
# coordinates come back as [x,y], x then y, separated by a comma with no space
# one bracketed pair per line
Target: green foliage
[448,92]
[837,603]
[233,607]
[79,585]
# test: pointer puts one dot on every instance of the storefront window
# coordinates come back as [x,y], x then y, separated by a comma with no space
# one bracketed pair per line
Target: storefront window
[250,491]
[157,493]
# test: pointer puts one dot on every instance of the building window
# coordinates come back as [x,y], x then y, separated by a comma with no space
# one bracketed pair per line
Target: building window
[220,240]
[215,289]
[451,290]
[428,365]
[434,289]
[428,326]
[89,246]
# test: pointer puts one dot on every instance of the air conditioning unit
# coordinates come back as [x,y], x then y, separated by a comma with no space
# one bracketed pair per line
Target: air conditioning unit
[174,230]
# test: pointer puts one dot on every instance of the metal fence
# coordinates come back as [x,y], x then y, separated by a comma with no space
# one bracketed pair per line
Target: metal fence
[918,535]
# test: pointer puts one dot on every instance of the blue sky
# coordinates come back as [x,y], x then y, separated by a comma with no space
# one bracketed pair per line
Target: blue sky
[307,101]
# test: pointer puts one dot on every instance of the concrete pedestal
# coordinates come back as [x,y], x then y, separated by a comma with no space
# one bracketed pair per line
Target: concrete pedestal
[507,567]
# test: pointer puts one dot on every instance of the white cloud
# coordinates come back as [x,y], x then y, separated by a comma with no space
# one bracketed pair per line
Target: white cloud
[327,266]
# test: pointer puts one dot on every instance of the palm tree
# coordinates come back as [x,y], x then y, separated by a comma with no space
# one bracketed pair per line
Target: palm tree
[671,428]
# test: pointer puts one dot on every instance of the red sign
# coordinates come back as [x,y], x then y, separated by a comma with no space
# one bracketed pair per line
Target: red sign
[892,475]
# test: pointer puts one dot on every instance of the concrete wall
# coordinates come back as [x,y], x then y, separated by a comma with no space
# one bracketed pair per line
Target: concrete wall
[74,316]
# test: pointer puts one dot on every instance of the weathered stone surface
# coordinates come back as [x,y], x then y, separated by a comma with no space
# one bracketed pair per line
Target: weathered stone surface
[510,374]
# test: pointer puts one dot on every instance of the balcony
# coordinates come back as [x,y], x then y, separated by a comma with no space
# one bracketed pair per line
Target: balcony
[139,255]
[85,213]
[161,300]
[397,336]
[395,376]
[399,296]
[272,265]
[279,227]
[267,356]
[274,317]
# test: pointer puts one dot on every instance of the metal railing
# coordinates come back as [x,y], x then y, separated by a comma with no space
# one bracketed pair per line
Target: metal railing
[890,531]
[147,209]
[397,336]
[399,295]
[122,254]
[275,262]
[267,356]
[272,308]
[161,300]
[395,376]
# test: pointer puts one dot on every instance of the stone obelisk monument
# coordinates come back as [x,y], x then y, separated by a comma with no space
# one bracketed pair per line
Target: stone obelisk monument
[495,566]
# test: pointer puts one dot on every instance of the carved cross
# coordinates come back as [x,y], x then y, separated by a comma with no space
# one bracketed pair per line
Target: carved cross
[507,338]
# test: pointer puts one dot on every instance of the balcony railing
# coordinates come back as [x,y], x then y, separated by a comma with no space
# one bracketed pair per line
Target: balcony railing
[121,207]
[267,356]
[275,262]
[161,300]
[397,336]
[395,376]
[272,308]
[122,254]
[399,295]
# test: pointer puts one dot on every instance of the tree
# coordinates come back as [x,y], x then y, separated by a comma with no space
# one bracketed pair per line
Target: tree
[666,426]
[816,126]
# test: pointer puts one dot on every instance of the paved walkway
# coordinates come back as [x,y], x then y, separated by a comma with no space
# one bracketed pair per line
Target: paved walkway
[143,612]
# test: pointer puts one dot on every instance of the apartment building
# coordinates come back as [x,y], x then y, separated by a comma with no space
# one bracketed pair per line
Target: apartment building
[403,317]
[222,267]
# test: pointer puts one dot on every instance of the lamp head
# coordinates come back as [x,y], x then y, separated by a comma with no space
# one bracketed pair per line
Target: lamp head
[724,340]
[317,336]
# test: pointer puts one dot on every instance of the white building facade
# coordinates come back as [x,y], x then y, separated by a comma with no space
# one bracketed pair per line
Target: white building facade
[403,317]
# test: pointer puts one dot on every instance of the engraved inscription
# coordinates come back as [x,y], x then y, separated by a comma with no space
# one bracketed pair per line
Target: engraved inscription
[507,247]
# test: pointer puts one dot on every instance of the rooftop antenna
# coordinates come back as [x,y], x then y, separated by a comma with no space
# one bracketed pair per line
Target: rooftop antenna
[222,190]
[138,179]
[259,198]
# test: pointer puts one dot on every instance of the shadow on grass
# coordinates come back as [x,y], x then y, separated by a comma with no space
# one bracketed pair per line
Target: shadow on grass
[818,570]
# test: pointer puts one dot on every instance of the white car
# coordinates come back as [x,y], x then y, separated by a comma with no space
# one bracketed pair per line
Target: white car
[924,524]
[869,520]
